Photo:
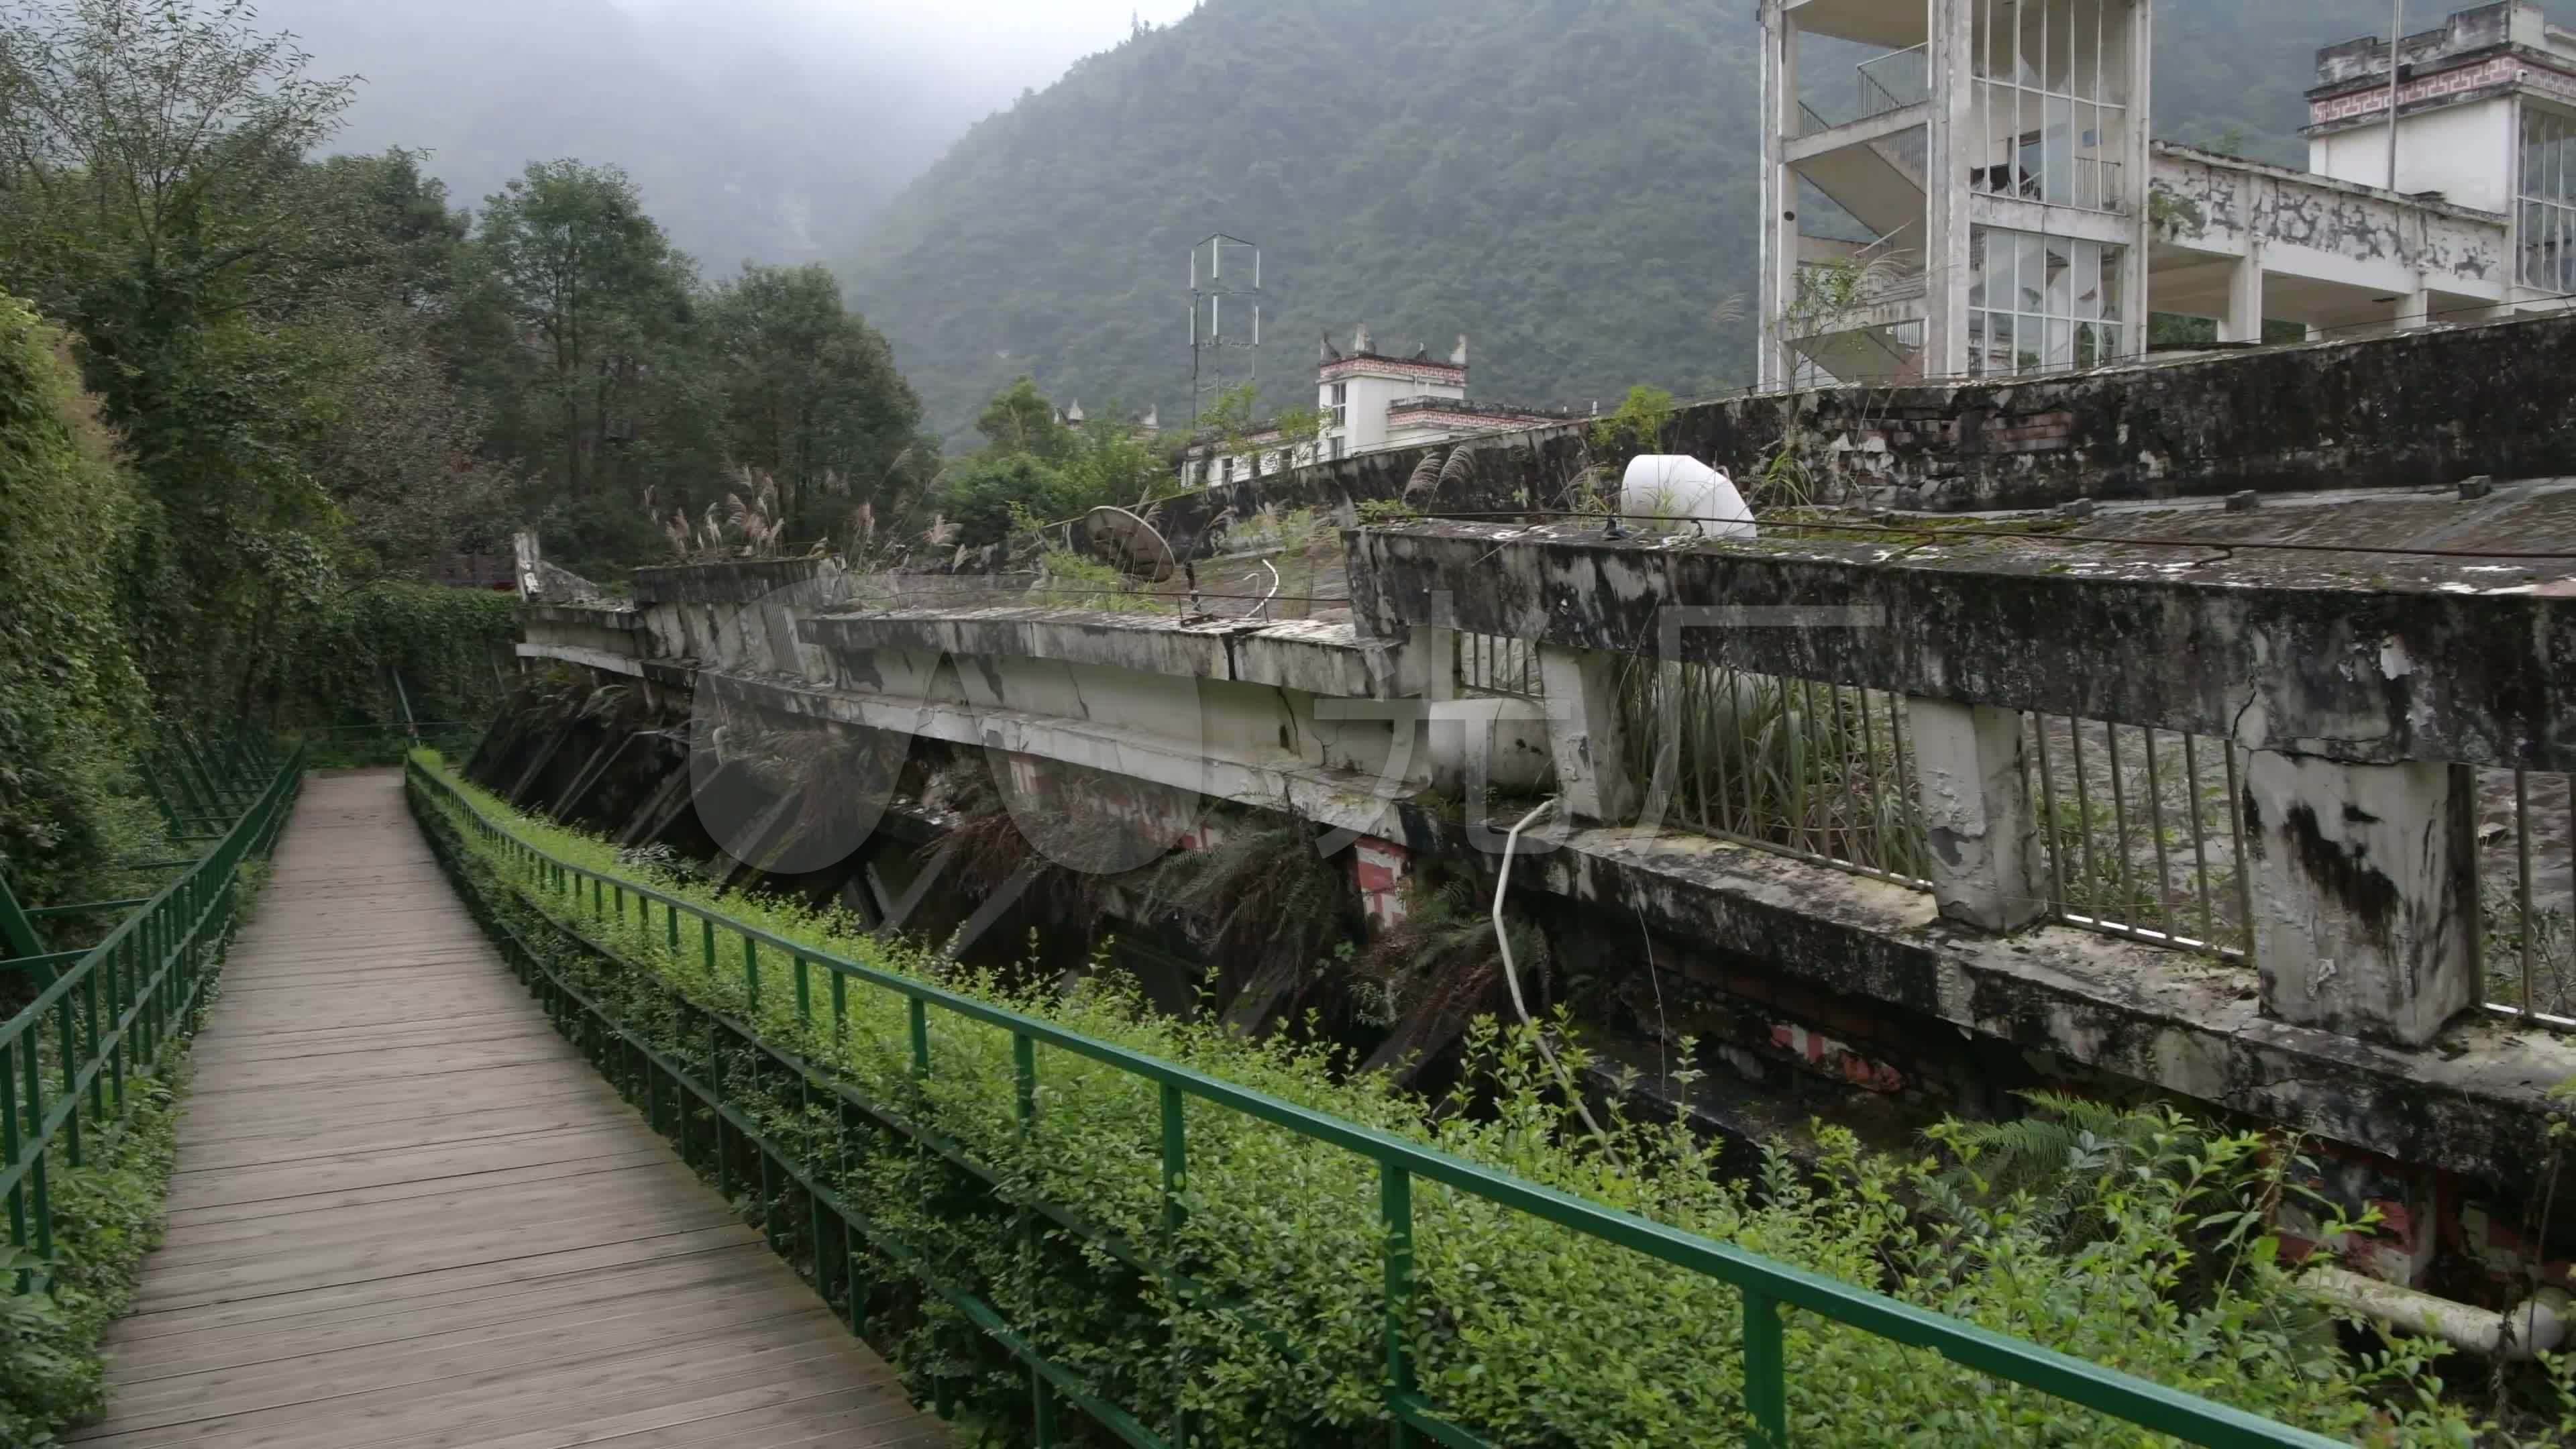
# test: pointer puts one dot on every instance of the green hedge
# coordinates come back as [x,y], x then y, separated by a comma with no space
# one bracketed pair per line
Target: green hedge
[72,705]
[337,665]
[1527,1334]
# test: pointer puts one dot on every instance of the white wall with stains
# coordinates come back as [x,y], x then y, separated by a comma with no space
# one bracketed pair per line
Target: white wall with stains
[2464,152]
[2325,230]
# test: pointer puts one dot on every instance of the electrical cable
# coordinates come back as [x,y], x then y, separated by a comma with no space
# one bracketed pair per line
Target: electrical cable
[1512,975]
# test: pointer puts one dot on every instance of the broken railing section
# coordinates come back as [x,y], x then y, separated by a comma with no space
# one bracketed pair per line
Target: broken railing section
[2244,757]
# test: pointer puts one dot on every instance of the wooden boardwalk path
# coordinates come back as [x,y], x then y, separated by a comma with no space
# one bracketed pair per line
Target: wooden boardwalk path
[407,1215]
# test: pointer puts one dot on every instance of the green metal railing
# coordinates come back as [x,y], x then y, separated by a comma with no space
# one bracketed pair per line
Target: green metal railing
[340,747]
[664,1083]
[202,786]
[111,1013]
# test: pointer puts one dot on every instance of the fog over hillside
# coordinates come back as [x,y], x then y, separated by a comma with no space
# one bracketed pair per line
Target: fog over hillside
[766,129]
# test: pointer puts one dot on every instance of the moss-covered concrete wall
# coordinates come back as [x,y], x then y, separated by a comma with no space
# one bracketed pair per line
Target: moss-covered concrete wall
[2410,410]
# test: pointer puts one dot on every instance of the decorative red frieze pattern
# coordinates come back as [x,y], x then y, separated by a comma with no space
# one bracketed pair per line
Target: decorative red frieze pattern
[2500,70]
[1414,371]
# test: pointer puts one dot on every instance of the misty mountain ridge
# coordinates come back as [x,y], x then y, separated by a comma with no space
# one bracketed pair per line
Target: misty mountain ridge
[1570,182]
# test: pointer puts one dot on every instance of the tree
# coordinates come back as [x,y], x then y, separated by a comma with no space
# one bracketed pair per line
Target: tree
[1019,419]
[811,394]
[157,200]
[151,155]
[988,493]
[1110,462]
[1034,467]
[404,234]
[400,449]
[579,300]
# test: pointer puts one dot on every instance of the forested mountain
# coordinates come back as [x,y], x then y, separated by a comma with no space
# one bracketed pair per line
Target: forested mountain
[1571,182]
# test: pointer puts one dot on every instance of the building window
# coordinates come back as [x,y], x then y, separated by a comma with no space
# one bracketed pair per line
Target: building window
[1337,448]
[2547,241]
[2052,104]
[2040,302]
[1337,405]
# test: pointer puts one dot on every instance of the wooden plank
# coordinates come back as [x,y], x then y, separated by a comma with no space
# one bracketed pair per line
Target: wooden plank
[230,1345]
[560,1341]
[376,1294]
[408,1216]
[315,1185]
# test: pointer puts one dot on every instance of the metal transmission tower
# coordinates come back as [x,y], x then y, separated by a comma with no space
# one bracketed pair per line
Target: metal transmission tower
[1225,293]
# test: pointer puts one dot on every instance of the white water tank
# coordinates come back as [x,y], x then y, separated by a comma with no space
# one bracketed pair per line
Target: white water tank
[1674,494]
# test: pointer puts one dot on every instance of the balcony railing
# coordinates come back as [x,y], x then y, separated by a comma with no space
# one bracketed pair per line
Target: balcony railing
[1881,84]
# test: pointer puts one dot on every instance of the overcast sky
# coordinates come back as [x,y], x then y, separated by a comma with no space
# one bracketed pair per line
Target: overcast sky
[991,49]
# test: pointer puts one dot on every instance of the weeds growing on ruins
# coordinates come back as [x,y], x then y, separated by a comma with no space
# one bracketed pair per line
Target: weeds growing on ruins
[2148,1246]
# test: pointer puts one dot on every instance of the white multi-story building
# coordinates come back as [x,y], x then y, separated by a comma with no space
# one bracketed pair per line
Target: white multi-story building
[1365,401]
[1967,187]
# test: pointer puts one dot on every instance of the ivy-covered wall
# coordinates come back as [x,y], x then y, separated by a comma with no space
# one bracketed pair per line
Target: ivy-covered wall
[72,705]
[391,650]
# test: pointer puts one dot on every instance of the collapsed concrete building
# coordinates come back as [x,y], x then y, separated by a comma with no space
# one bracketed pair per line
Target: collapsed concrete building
[2231,768]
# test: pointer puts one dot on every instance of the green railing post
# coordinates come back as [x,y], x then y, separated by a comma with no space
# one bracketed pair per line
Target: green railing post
[1176,1161]
[920,1014]
[750,976]
[9,1148]
[1024,1074]
[1024,1077]
[190,796]
[35,1128]
[804,995]
[715,1099]
[1766,1389]
[1395,1215]
[160,798]
[70,1053]
[18,933]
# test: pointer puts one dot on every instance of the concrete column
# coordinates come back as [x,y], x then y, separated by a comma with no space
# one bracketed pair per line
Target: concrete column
[2244,319]
[1437,650]
[1946,223]
[1777,286]
[2415,309]
[1977,818]
[2135,318]
[1586,734]
[2365,894]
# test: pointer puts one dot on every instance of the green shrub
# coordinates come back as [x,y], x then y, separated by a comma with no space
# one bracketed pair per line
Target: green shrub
[446,646]
[1527,1334]
[107,1214]
[71,701]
